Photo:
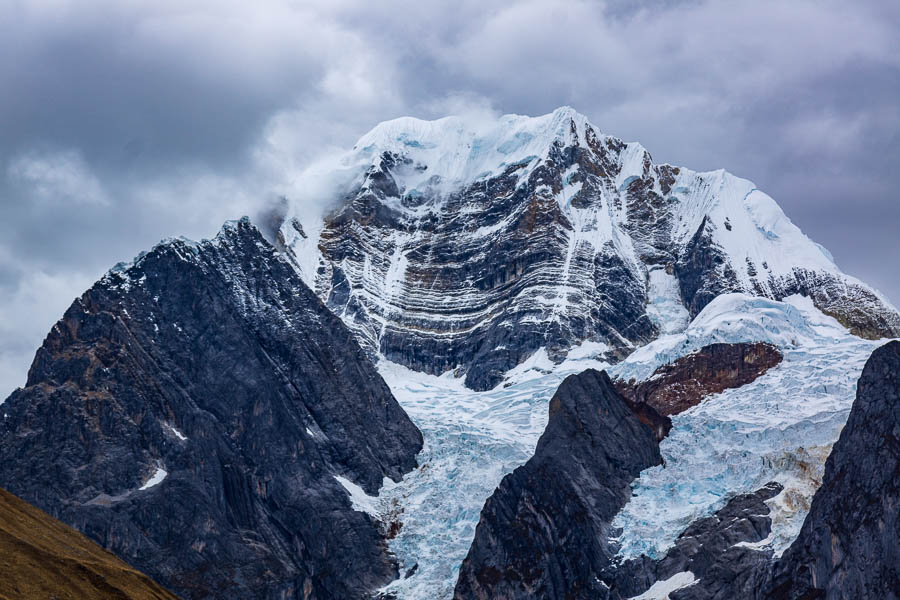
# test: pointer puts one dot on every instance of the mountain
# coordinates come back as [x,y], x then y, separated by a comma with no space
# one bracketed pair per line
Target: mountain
[211,412]
[42,558]
[202,415]
[467,245]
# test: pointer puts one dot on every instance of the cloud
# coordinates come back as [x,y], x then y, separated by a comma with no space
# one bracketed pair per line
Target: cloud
[27,310]
[125,122]
[56,177]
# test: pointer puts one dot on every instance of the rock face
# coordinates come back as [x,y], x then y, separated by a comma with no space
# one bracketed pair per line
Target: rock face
[43,558]
[714,556]
[467,245]
[849,546]
[675,387]
[191,413]
[544,533]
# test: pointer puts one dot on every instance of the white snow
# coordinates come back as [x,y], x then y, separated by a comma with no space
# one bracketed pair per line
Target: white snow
[460,150]
[759,230]
[661,589]
[156,479]
[175,432]
[359,499]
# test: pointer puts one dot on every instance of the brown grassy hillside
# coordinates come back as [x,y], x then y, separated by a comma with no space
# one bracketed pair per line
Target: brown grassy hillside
[41,558]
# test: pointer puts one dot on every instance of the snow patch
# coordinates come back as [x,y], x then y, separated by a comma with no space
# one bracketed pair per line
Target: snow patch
[156,479]
[661,589]
[175,432]
[359,499]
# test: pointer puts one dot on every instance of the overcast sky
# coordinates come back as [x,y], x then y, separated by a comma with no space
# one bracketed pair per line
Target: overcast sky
[125,122]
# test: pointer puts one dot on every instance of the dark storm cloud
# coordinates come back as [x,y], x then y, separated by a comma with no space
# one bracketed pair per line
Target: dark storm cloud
[124,122]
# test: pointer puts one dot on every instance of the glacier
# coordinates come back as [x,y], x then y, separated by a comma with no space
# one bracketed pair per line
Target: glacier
[777,428]
[472,439]
[780,427]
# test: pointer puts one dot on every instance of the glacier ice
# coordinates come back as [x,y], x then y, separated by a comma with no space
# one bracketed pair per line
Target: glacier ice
[779,427]
[472,439]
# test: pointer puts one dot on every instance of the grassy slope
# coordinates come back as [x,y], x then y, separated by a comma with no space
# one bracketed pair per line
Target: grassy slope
[41,557]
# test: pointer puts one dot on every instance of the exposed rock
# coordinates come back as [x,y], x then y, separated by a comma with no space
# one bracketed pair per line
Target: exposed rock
[849,546]
[191,412]
[703,269]
[718,551]
[544,533]
[43,558]
[646,414]
[675,387]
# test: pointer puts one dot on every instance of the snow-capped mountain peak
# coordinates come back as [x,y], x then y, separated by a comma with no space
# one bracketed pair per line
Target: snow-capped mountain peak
[451,152]
[469,243]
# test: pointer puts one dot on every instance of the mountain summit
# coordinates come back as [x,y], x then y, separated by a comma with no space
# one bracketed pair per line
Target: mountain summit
[470,244]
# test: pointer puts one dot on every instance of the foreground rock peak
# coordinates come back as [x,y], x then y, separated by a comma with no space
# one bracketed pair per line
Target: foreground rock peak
[201,414]
[545,532]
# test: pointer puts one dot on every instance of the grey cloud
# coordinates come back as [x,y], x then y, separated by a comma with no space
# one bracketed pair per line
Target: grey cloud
[127,122]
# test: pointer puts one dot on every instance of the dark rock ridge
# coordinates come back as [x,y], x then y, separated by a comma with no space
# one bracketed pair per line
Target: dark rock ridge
[849,546]
[713,550]
[544,533]
[190,413]
[677,386]
[43,558]
[549,243]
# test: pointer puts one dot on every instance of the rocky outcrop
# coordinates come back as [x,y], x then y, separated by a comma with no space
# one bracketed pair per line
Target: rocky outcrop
[469,246]
[715,557]
[677,386]
[192,412]
[43,558]
[849,546]
[703,269]
[544,533]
